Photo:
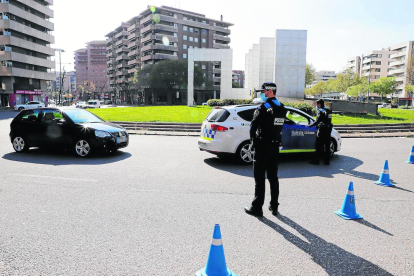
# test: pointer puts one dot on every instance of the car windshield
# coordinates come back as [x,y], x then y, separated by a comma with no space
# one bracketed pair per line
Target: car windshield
[82,116]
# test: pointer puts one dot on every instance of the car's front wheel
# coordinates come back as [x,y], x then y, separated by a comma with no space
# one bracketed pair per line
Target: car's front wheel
[19,144]
[244,154]
[82,148]
[20,108]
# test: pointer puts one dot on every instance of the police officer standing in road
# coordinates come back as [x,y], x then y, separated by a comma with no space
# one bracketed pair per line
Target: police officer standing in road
[265,133]
[323,139]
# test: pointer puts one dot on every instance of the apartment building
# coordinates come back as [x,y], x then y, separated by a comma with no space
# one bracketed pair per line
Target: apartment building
[354,64]
[402,66]
[25,52]
[161,33]
[91,67]
[69,82]
[395,61]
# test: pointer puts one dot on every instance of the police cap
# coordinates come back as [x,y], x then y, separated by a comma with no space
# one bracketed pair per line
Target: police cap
[267,86]
[321,102]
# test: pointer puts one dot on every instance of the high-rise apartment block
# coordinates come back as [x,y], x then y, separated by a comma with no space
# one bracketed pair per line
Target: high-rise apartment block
[90,66]
[324,76]
[395,61]
[25,52]
[238,77]
[156,34]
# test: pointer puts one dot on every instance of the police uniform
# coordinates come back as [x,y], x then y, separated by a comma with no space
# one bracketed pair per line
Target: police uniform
[323,139]
[265,133]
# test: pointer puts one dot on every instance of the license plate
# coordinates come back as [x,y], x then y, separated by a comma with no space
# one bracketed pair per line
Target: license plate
[121,140]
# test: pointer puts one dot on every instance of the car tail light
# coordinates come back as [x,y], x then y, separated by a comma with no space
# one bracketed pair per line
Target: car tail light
[218,128]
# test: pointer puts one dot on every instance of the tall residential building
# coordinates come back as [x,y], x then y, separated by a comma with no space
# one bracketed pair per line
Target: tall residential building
[90,66]
[402,66]
[161,33]
[69,82]
[392,61]
[281,59]
[25,52]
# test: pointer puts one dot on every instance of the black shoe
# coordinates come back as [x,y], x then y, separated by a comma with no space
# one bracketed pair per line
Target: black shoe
[253,212]
[273,210]
[314,162]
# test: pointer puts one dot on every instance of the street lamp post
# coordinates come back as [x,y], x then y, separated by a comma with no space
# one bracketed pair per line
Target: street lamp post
[60,75]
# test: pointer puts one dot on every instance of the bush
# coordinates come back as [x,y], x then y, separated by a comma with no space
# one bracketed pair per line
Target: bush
[217,102]
[305,107]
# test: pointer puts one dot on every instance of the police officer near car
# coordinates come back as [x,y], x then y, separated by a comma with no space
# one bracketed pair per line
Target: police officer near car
[323,138]
[265,134]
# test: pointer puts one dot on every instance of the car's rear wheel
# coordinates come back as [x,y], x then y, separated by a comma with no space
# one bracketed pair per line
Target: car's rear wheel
[19,144]
[332,147]
[244,154]
[82,148]
[20,108]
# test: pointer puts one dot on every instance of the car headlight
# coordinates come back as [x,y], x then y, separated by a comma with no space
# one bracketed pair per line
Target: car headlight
[102,134]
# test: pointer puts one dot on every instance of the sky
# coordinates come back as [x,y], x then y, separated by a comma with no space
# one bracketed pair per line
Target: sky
[337,29]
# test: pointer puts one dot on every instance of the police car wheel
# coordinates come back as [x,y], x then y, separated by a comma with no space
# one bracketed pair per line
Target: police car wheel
[243,153]
[332,147]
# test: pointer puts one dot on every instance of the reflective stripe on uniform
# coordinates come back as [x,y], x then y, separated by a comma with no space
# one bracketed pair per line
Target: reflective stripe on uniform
[351,193]
[385,171]
[208,139]
[276,102]
[267,105]
[216,242]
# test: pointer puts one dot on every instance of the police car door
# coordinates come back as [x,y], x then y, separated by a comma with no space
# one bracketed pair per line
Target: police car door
[297,136]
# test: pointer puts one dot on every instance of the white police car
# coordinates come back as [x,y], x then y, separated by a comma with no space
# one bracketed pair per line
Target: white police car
[226,131]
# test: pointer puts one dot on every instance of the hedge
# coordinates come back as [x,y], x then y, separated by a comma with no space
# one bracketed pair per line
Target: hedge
[301,106]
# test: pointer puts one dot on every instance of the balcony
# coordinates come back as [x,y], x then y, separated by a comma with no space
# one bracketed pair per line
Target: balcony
[165,56]
[133,27]
[133,44]
[161,36]
[123,33]
[122,41]
[14,41]
[26,15]
[397,63]
[13,25]
[133,62]
[147,57]
[110,61]
[133,36]
[132,70]
[112,82]
[165,47]
[133,53]
[39,7]
[108,55]
[112,75]
[220,46]
[146,29]
[165,28]
[121,57]
[122,72]
[221,37]
[23,73]
[399,54]
[146,48]
[122,49]
[122,80]
[216,71]
[401,79]
[146,38]
[122,65]
[397,71]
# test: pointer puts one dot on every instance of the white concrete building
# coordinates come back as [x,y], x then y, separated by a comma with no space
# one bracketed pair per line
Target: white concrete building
[324,76]
[282,60]
[401,57]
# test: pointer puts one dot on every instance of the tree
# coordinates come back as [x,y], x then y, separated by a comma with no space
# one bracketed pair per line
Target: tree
[410,69]
[310,75]
[347,79]
[410,90]
[384,86]
[87,88]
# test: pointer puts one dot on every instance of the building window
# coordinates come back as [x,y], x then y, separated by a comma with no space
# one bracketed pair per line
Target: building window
[184,28]
[195,39]
[377,70]
[191,30]
[203,66]
[184,37]
[175,34]
[204,31]
[190,38]
[380,55]
[184,55]
[184,17]
[196,31]
[378,62]
[376,77]
[184,46]
[203,40]
[175,25]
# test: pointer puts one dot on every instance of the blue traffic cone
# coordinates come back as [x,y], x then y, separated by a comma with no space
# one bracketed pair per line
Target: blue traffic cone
[411,158]
[348,210]
[384,179]
[216,263]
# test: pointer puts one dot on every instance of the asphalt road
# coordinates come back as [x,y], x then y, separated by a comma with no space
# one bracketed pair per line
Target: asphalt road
[151,210]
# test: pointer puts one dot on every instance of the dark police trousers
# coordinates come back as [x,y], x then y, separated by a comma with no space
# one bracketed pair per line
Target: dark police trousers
[266,159]
[323,141]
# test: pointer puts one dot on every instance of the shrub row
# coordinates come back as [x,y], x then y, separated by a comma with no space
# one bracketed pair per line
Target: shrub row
[301,106]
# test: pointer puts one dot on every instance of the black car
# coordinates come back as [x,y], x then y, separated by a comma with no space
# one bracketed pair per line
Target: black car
[71,128]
